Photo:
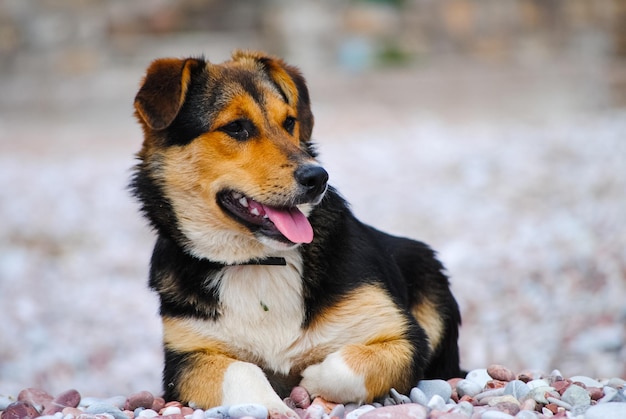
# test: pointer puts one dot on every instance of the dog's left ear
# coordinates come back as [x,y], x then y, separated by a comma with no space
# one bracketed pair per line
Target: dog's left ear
[292,85]
[163,91]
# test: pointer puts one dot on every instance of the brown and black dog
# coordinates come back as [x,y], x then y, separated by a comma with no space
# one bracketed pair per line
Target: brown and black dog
[266,279]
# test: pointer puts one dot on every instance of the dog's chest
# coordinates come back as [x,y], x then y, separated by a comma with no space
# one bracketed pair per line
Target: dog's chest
[262,310]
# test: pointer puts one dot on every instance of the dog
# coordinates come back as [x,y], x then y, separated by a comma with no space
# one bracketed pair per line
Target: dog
[266,279]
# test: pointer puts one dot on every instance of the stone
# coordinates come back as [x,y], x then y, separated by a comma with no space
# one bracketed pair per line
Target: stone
[500,372]
[418,396]
[36,397]
[143,399]
[72,411]
[616,382]
[360,411]
[217,412]
[314,411]
[609,394]
[20,410]
[479,376]
[401,411]
[159,403]
[587,381]
[171,410]
[5,401]
[606,411]
[464,408]
[526,414]
[436,403]
[432,387]
[399,398]
[576,396]
[148,413]
[197,414]
[561,385]
[69,398]
[102,407]
[468,388]
[248,409]
[300,397]
[495,414]
[338,411]
[538,394]
[517,389]
[533,384]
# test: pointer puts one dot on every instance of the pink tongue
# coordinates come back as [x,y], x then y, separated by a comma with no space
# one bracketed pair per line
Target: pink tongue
[292,223]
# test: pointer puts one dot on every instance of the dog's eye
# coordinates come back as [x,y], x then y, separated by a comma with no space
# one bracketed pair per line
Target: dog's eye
[240,130]
[289,124]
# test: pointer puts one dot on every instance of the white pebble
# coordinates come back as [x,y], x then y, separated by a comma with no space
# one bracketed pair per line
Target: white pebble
[197,414]
[479,376]
[171,410]
[148,413]
[248,409]
[589,382]
[606,411]
[360,411]
[437,403]
[468,388]
[533,384]
[495,414]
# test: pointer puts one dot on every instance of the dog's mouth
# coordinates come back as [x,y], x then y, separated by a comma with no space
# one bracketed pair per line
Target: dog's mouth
[286,224]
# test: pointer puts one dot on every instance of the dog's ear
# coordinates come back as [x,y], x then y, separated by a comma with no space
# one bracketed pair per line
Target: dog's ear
[292,85]
[163,91]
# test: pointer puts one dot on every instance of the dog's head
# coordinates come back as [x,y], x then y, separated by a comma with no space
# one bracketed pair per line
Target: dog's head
[227,168]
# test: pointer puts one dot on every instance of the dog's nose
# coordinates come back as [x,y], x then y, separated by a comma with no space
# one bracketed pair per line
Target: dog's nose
[312,178]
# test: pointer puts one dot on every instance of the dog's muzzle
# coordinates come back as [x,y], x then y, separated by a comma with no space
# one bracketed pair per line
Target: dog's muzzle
[313,180]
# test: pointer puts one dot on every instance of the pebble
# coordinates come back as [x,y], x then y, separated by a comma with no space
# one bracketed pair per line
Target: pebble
[464,408]
[300,397]
[517,389]
[432,387]
[587,381]
[500,372]
[170,410]
[399,398]
[436,403]
[148,413]
[495,414]
[254,410]
[526,414]
[609,394]
[606,411]
[359,411]
[143,399]
[36,397]
[479,376]
[69,398]
[217,412]
[401,411]
[576,396]
[468,388]
[102,407]
[20,410]
[338,411]
[418,396]
[533,384]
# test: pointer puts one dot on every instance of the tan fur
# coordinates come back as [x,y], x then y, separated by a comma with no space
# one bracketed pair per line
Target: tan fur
[429,318]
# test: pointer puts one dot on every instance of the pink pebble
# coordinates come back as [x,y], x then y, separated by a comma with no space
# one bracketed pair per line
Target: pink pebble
[35,397]
[300,397]
[143,399]
[69,398]
[500,372]
[158,404]
[186,410]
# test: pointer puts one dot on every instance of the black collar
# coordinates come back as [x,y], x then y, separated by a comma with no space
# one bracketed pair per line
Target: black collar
[269,261]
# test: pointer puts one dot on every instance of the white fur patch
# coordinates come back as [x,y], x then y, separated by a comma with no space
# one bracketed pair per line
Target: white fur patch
[261,310]
[246,383]
[334,380]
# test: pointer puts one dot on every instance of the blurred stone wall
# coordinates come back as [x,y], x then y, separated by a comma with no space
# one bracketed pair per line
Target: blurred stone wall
[79,36]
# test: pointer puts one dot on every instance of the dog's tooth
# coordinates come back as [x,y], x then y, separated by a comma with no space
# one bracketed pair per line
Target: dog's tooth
[255,211]
[243,201]
[236,195]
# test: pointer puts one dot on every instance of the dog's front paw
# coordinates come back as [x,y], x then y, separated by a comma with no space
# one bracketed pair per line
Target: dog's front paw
[334,380]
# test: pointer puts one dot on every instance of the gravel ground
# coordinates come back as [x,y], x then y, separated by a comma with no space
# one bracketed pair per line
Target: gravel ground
[518,181]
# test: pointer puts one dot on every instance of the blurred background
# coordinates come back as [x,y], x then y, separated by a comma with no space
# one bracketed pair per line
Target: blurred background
[493,130]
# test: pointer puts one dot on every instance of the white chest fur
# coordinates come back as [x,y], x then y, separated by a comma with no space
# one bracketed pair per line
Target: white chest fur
[261,310]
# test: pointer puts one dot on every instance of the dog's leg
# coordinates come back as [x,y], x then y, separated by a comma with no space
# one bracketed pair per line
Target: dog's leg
[209,379]
[361,373]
